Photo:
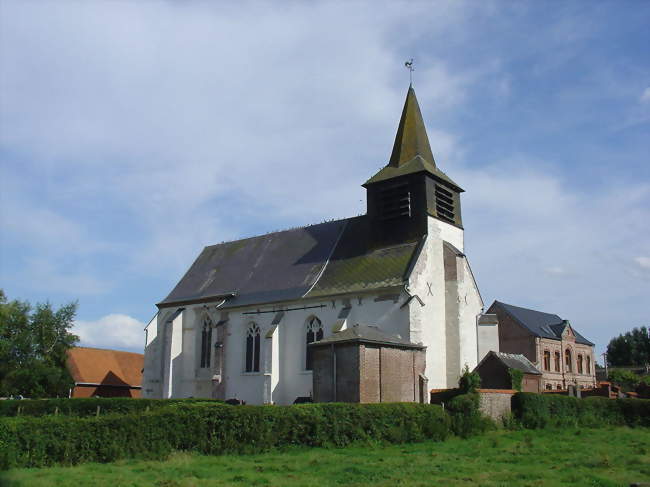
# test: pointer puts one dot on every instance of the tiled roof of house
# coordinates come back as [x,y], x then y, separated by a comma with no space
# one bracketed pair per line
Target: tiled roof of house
[108,367]
[544,325]
[313,261]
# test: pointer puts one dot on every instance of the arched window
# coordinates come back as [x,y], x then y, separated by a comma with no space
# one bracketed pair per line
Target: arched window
[557,361]
[579,364]
[549,387]
[559,387]
[206,343]
[314,333]
[588,364]
[567,360]
[547,360]
[253,348]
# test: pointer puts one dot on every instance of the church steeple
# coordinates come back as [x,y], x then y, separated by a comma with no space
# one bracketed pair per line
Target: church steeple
[411,139]
[411,150]
[410,188]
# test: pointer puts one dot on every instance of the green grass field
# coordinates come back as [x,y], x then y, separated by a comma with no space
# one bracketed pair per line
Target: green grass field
[595,457]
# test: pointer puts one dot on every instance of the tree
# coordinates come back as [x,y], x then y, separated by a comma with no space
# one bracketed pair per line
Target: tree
[631,348]
[469,381]
[627,379]
[33,348]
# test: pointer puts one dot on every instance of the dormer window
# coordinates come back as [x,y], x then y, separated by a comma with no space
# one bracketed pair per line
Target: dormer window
[445,204]
[395,201]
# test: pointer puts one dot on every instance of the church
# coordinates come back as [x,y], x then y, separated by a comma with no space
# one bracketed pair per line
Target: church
[239,323]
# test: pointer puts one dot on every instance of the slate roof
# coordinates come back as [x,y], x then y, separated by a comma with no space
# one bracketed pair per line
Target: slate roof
[315,261]
[318,260]
[355,266]
[366,334]
[515,361]
[544,325]
[107,367]
[411,150]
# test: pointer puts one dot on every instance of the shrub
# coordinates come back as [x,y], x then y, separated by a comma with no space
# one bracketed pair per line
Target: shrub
[627,379]
[516,376]
[466,418]
[541,410]
[211,429]
[469,381]
[85,406]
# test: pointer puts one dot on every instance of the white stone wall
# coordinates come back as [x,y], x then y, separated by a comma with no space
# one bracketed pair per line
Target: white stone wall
[151,375]
[427,319]
[282,377]
[487,338]
[470,307]
[446,323]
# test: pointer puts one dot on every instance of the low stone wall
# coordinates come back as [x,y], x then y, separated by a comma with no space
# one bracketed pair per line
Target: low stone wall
[495,403]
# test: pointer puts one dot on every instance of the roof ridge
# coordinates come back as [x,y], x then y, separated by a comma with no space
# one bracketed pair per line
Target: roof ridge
[274,232]
[103,349]
[528,309]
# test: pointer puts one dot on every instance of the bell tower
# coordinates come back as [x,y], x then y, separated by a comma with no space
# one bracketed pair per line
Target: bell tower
[410,188]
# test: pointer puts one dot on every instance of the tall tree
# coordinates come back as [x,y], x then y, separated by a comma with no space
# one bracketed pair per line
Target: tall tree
[33,348]
[631,348]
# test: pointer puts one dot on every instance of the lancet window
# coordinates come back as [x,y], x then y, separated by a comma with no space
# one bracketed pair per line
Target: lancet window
[314,334]
[253,348]
[206,343]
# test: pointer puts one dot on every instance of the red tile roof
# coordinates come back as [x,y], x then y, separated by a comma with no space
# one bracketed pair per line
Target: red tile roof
[109,367]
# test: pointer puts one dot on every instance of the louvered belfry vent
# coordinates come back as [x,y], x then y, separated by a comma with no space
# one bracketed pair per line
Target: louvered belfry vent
[445,204]
[395,201]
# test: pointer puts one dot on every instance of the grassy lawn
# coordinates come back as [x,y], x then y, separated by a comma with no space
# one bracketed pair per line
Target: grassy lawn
[596,457]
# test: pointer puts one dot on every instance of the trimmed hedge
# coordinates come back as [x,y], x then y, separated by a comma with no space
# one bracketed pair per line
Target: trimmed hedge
[86,406]
[541,410]
[212,429]
[466,418]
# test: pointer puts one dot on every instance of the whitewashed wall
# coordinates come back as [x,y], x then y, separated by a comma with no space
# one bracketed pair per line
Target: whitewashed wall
[470,307]
[282,378]
[447,322]
[172,365]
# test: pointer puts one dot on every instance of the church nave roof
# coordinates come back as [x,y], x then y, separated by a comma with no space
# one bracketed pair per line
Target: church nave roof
[313,261]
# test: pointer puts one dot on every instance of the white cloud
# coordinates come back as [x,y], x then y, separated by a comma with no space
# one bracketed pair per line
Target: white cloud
[645,96]
[179,117]
[555,270]
[143,131]
[537,241]
[117,331]
[643,262]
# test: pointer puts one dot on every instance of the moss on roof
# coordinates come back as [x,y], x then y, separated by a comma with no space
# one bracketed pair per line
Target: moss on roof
[355,266]
[415,165]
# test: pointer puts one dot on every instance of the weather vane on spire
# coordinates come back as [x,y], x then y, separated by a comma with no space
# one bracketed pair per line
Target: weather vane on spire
[409,65]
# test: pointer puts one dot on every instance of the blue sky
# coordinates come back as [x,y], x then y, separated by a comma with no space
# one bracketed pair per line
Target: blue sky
[132,134]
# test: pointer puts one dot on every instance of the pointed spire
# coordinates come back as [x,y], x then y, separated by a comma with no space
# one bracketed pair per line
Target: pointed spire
[411,139]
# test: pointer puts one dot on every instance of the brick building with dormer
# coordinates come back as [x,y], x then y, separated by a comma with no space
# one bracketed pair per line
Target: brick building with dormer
[562,354]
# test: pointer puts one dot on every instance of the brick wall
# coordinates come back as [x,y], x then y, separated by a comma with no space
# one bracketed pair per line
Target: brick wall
[368,373]
[564,376]
[397,375]
[369,387]
[513,338]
